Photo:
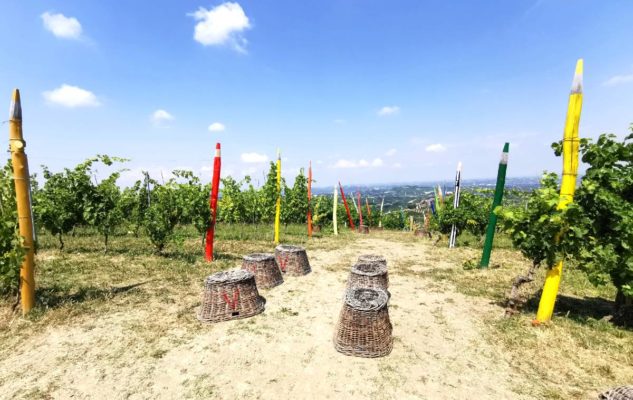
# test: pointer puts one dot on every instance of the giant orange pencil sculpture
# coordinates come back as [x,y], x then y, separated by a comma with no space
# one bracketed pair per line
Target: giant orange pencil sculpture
[367,206]
[349,214]
[215,186]
[309,200]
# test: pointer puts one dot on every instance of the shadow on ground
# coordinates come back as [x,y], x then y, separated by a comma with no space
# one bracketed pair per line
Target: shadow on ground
[57,295]
[583,309]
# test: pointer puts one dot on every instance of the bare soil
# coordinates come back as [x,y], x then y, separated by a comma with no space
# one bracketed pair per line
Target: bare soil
[154,348]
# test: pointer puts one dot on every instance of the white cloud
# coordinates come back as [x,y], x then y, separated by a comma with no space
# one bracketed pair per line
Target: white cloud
[388,110]
[397,165]
[160,117]
[253,158]
[221,25]
[618,80]
[62,26]
[435,148]
[345,164]
[391,152]
[71,97]
[362,163]
[216,127]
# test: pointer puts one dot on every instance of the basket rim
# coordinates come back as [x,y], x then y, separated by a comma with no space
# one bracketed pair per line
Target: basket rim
[378,268]
[258,257]
[229,276]
[366,299]
[290,248]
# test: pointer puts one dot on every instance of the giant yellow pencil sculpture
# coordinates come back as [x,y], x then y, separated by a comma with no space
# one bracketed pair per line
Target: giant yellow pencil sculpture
[278,208]
[23,199]
[567,189]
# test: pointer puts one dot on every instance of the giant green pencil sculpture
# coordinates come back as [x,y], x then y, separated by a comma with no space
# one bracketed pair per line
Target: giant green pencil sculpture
[492,220]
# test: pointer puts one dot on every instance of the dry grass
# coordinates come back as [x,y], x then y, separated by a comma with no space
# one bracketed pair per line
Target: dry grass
[579,352]
[82,289]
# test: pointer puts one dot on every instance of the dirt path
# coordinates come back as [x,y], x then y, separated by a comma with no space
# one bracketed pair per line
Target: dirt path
[160,351]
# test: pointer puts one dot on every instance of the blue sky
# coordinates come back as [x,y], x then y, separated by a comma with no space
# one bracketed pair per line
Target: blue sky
[370,91]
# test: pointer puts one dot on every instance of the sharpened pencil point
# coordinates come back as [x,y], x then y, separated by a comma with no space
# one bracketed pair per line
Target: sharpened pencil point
[576,86]
[15,111]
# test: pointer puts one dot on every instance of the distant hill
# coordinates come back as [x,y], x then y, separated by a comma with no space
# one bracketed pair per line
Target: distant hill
[398,195]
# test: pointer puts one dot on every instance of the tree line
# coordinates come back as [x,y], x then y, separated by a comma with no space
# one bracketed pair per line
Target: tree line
[595,232]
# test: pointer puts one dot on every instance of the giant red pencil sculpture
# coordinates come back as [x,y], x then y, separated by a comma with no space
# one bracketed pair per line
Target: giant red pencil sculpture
[349,215]
[309,199]
[360,211]
[215,186]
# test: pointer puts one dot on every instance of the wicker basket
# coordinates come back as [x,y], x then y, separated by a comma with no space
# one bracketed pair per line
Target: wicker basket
[363,328]
[618,393]
[363,229]
[292,260]
[265,269]
[372,258]
[230,295]
[371,275]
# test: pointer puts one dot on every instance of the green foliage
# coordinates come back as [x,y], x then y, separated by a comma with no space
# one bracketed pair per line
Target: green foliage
[605,198]
[70,198]
[295,209]
[232,205]
[322,210]
[161,216]
[596,229]
[394,220]
[59,205]
[471,215]
[191,200]
[11,250]
[268,195]
[102,203]
[134,203]
[537,229]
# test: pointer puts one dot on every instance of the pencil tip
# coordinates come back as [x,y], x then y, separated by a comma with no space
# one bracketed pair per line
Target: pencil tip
[576,85]
[15,111]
